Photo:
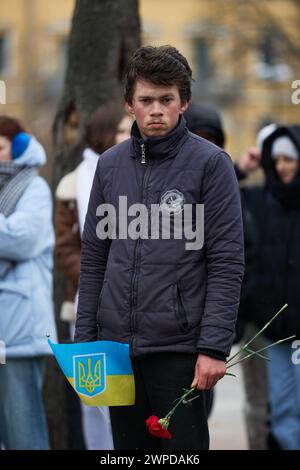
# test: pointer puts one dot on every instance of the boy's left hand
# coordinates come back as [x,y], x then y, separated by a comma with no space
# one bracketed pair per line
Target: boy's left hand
[208,371]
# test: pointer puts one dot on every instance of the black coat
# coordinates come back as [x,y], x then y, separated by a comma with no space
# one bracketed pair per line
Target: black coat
[155,294]
[275,211]
[249,285]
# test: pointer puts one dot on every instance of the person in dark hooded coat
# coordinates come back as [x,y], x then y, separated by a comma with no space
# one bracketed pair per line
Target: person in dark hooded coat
[206,122]
[275,211]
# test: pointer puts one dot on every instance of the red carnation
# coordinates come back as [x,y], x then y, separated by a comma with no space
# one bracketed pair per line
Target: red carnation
[158,427]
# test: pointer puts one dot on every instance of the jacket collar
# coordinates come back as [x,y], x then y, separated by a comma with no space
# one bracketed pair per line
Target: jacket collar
[159,147]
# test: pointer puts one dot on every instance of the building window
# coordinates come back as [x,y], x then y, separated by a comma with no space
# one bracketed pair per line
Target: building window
[269,49]
[2,53]
[63,54]
[271,64]
[203,62]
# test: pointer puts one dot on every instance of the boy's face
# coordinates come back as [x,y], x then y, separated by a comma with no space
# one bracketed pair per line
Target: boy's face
[156,108]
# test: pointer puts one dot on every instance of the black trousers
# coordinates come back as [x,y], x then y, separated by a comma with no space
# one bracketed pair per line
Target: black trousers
[159,380]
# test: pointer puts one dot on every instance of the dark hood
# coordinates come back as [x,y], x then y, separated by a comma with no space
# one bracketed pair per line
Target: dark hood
[288,194]
[200,118]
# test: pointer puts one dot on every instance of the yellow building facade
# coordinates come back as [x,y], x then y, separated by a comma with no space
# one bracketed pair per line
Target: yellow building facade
[239,62]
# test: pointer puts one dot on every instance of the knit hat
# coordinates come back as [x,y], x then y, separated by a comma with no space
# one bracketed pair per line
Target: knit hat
[284,146]
[19,144]
[263,134]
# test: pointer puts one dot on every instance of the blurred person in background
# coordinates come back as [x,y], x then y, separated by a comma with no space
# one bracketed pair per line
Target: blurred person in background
[26,260]
[108,125]
[256,408]
[275,213]
[206,122]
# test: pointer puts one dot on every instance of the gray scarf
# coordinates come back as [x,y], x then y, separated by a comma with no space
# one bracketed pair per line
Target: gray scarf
[14,180]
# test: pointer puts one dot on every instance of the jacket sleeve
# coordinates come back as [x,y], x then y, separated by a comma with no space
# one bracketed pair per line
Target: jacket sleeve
[25,233]
[224,252]
[68,243]
[240,174]
[94,255]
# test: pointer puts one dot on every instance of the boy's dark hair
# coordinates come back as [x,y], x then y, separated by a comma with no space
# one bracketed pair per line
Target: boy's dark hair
[103,125]
[162,65]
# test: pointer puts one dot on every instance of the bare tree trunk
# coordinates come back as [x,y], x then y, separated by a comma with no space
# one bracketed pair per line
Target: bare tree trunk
[103,36]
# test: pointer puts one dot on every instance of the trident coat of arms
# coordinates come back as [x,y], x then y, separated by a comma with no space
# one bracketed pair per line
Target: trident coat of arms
[89,374]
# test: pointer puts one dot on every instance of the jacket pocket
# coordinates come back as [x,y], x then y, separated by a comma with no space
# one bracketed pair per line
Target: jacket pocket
[179,308]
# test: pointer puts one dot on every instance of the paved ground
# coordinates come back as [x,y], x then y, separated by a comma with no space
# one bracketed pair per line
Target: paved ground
[226,424]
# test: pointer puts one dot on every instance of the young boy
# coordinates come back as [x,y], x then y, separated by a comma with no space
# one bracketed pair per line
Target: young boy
[174,304]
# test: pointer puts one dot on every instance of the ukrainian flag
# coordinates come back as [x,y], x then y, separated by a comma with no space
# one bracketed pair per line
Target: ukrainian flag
[100,372]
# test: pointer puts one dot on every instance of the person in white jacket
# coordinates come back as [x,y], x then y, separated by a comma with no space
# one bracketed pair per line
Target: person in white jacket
[26,307]
[108,125]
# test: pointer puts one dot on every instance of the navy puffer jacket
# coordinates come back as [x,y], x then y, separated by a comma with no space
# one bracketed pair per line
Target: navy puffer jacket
[153,293]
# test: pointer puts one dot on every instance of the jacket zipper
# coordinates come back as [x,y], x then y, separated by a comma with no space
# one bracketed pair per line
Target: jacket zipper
[143,159]
[136,256]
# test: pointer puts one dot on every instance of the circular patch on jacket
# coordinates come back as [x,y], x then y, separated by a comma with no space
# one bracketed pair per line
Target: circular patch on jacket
[172,201]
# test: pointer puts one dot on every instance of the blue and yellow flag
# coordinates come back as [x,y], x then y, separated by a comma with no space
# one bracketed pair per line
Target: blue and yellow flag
[100,372]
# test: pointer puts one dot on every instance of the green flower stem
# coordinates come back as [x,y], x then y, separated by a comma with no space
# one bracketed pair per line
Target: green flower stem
[260,350]
[266,325]
[185,395]
[257,334]
[232,375]
[166,420]
[259,355]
